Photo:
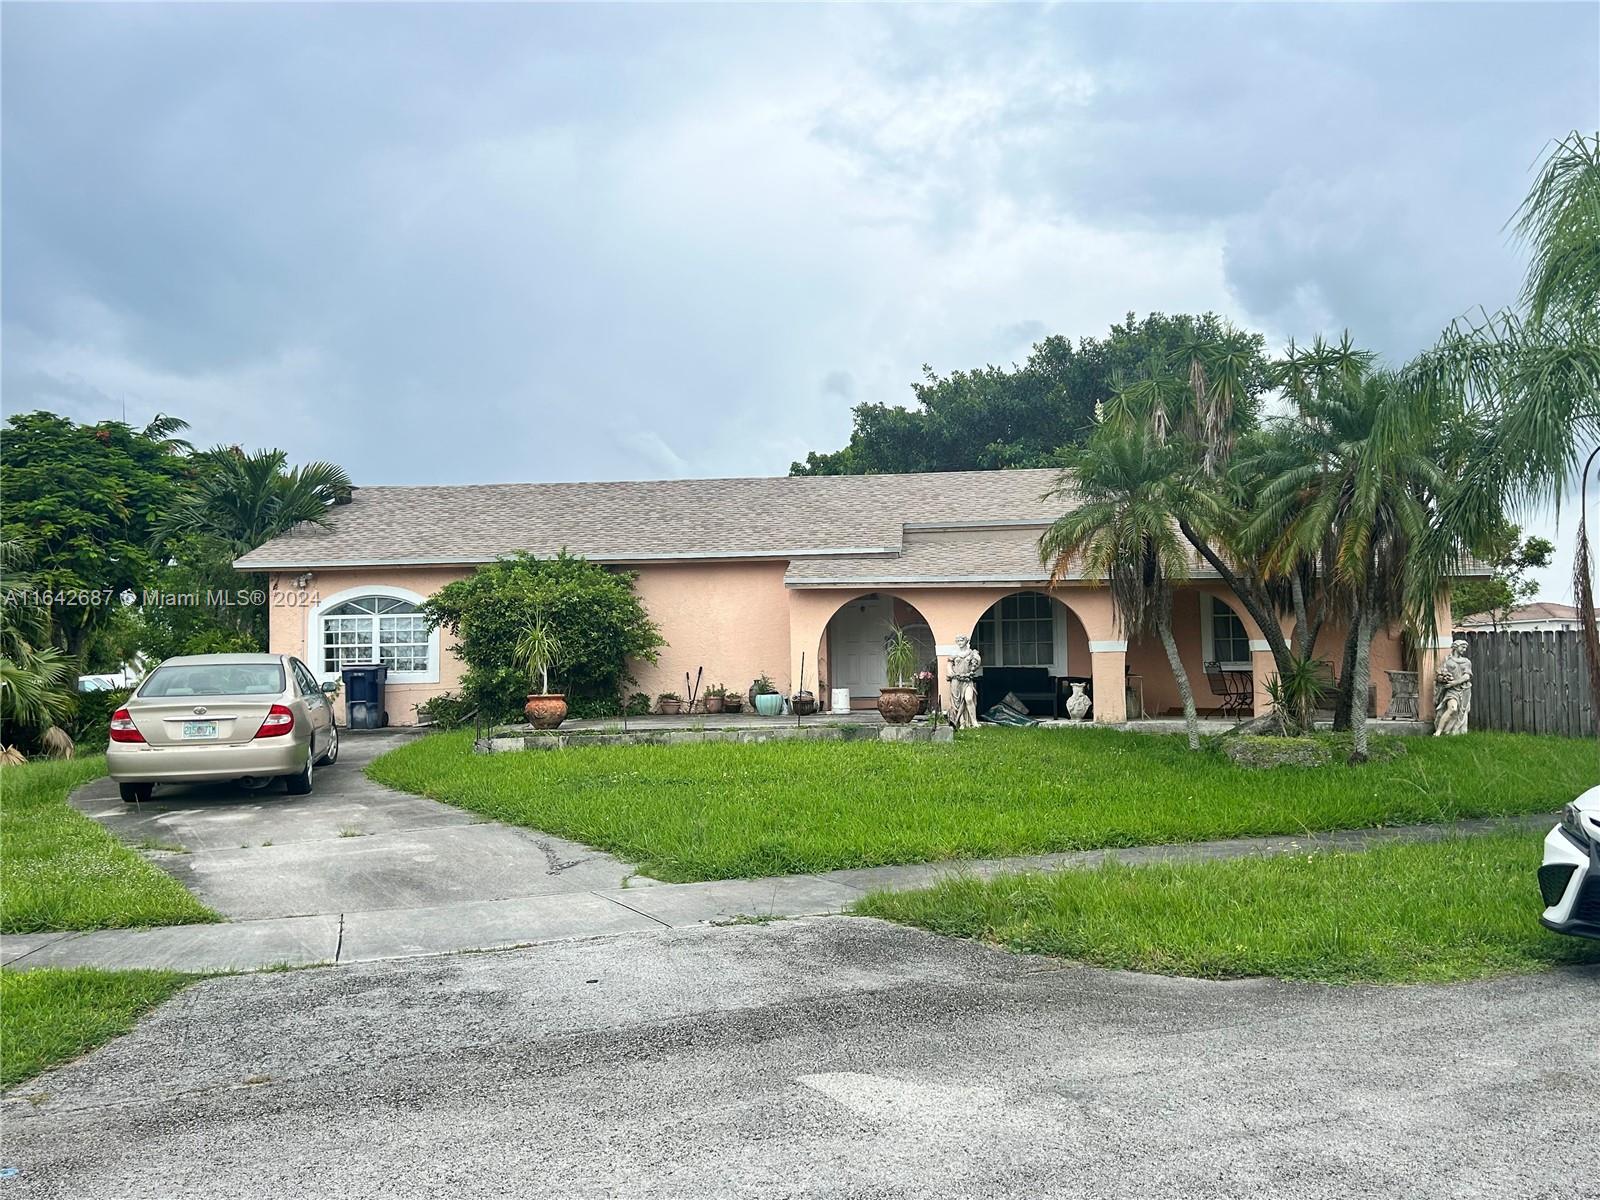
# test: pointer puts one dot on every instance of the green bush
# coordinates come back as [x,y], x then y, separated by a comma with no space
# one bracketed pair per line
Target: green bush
[594,613]
[445,711]
[91,717]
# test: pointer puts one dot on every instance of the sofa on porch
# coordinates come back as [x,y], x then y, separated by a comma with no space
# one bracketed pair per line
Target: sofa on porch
[1034,686]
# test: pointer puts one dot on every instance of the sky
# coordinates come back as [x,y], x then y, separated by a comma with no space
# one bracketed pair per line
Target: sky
[481,243]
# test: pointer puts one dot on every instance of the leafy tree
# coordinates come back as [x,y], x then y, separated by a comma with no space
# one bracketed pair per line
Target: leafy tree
[592,612]
[84,499]
[1511,557]
[1122,530]
[997,417]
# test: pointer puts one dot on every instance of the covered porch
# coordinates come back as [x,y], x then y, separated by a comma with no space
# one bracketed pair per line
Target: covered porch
[1037,642]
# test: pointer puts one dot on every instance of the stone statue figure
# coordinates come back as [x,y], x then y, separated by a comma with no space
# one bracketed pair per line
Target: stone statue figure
[964,666]
[1452,691]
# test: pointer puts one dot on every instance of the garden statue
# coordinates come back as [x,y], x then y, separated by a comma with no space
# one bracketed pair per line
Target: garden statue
[1453,692]
[1078,704]
[965,664]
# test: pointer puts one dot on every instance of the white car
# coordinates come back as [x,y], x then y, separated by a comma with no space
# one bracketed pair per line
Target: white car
[1569,880]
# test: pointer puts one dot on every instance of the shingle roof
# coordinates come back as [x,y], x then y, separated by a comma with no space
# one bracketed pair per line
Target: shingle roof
[1539,610]
[783,517]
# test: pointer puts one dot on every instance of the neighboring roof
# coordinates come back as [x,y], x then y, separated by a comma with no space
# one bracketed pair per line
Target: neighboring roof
[784,517]
[1539,610]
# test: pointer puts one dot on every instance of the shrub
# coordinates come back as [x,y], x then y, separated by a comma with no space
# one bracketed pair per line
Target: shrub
[592,611]
[91,719]
[446,711]
[638,705]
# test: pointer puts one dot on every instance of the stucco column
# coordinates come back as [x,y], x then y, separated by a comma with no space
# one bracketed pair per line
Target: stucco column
[1108,659]
[1262,668]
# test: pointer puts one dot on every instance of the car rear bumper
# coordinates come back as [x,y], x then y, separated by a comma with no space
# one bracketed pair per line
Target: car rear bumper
[1569,882]
[144,763]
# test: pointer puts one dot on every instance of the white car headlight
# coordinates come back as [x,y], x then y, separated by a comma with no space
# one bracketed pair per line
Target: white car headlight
[1572,825]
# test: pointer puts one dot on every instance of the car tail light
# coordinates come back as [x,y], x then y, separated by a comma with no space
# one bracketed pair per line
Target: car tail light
[278,721]
[123,729]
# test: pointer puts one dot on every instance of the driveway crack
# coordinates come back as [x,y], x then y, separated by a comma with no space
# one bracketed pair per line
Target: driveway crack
[338,946]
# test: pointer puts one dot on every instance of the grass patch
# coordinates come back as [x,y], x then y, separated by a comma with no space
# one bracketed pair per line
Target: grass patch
[724,810]
[51,1015]
[63,871]
[1464,908]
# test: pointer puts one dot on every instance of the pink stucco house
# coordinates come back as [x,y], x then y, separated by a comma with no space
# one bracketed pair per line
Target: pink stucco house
[744,576]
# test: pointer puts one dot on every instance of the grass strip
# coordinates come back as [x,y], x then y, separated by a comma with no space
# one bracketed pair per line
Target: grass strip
[1464,908]
[52,1015]
[63,871]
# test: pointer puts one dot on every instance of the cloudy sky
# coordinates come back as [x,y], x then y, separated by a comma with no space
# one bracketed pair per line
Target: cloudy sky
[488,243]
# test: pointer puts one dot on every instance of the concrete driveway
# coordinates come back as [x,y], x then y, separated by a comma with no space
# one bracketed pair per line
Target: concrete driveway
[350,846]
[829,1057]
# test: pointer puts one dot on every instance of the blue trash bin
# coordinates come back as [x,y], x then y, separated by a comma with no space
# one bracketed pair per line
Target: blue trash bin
[363,695]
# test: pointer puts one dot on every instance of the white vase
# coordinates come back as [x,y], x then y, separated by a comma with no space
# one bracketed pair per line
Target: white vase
[1078,704]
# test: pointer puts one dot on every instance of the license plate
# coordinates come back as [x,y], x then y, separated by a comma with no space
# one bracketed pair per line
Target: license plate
[199,729]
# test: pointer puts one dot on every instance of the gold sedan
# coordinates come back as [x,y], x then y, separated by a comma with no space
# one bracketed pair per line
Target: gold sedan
[206,717]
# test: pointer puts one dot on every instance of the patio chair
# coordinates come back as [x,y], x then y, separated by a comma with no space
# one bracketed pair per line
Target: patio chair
[1235,689]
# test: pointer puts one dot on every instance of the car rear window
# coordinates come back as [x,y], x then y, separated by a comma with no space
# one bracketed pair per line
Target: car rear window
[214,679]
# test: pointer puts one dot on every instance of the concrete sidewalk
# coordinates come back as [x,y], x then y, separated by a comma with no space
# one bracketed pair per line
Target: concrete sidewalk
[370,934]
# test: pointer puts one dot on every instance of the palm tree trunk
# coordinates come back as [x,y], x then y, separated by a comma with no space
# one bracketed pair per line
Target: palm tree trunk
[1358,684]
[1347,670]
[1191,719]
[1254,603]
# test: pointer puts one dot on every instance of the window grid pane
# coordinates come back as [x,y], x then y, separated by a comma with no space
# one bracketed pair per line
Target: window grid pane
[354,632]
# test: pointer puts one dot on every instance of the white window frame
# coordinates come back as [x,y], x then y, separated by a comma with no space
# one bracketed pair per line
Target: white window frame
[314,632]
[1057,666]
[1208,638]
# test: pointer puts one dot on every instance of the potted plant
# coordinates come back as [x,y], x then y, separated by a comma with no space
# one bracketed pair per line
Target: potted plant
[924,686]
[716,697]
[768,702]
[669,704]
[803,702]
[538,650]
[732,702]
[898,704]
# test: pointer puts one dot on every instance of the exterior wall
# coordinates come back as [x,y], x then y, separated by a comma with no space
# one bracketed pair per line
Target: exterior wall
[738,620]
[292,611]
[731,618]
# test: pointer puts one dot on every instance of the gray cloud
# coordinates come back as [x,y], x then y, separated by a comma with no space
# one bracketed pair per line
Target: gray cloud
[522,242]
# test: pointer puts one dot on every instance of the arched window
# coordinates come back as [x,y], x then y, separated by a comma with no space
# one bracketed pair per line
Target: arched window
[376,629]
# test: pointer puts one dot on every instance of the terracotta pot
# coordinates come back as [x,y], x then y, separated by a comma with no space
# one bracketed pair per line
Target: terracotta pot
[670,708]
[899,705]
[713,704]
[546,712]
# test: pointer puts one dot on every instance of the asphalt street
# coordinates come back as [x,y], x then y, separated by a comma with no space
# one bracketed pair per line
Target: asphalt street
[829,1056]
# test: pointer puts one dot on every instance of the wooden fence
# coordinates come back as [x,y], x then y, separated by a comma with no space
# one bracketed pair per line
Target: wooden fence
[1529,683]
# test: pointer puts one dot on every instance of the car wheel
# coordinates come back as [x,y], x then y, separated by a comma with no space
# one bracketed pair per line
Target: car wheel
[299,785]
[332,756]
[136,793]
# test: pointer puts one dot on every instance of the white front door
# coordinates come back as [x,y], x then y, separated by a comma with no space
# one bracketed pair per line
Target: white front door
[855,647]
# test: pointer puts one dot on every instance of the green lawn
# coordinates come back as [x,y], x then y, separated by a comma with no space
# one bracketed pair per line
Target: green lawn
[721,811]
[63,871]
[1458,909]
[51,1016]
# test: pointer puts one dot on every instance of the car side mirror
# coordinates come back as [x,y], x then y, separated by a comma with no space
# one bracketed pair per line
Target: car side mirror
[330,689]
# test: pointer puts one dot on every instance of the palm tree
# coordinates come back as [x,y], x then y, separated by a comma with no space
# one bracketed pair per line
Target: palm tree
[36,677]
[1361,501]
[1530,381]
[1123,530]
[242,500]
